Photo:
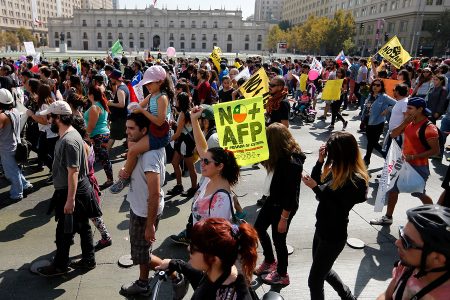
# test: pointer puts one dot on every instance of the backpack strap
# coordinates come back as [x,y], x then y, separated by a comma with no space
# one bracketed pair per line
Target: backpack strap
[210,133]
[434,284]
[229,197]
[422,138]
[401,283]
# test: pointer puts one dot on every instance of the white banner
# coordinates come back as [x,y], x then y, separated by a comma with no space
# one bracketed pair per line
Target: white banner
[29,48]
[316,65]
[243,74]
[391,169]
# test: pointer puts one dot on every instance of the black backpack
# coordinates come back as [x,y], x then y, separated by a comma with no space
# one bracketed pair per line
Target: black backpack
[423,139]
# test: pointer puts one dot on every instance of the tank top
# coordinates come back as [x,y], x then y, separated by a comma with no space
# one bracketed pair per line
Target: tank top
[101,127]
[8,142]
[116,112]
[153,105]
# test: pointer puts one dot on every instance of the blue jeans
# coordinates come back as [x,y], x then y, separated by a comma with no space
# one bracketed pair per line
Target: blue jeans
[13,174]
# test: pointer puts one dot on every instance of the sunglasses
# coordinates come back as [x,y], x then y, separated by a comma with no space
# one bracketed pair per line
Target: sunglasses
[406,242]
[207,161]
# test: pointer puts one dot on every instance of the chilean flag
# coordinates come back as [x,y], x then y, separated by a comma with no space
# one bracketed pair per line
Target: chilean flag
[341,58]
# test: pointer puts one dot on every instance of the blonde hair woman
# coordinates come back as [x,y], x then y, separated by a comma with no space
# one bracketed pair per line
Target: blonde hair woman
[342,184]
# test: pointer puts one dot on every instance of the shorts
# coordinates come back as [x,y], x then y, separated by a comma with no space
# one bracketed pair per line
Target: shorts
[118,129]
[157,143]
[185,145]
[140,248]
[423,171]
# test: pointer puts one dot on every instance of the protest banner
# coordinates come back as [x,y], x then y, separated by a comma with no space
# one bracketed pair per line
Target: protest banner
[215,56]
[243,74]
[316,65]
[389,85]
[393,52]
[257,85]
[29,48]
[332,89]
[392,166]
[139,92]
[116,48]
[303,80]
[241,128]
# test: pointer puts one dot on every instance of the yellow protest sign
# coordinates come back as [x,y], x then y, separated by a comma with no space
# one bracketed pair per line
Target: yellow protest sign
[237,65]
[393,52]
[303,79]
[389,85]
[332,89]
[241,128]
[257,85]
[215,56]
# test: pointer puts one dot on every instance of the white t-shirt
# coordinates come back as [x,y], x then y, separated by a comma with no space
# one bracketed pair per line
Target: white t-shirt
[150,161]
[397,113]
[220,204]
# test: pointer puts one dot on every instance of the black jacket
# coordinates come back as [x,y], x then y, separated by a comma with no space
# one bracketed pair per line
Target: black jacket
[335,205]
[285,186]
[204,289]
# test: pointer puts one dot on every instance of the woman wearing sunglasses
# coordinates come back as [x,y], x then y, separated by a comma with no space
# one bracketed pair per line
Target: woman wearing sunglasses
[214,249]
[342,184]
[220,171]
[376,108]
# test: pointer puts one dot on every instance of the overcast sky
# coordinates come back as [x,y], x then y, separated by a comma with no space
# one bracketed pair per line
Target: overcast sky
[247,6]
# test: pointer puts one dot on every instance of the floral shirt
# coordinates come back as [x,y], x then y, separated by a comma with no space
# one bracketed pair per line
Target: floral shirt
[220,204]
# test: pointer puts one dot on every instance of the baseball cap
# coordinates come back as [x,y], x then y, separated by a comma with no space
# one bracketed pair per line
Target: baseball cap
[426,69]
[419,102]
[153,74]
[207,112]
[6,97]
[58,108]
[116,74]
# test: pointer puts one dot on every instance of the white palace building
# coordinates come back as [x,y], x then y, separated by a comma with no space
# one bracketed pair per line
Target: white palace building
[151,29]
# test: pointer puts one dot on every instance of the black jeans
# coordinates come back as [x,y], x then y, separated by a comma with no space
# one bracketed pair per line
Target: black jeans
[335,107]
[325,254]
[64,240]
[46,149]
[270,215]
[373,133]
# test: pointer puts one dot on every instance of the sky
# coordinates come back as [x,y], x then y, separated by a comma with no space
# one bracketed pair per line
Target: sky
[247,6]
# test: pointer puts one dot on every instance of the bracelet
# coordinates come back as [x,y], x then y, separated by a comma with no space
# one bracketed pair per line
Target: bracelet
[284,218]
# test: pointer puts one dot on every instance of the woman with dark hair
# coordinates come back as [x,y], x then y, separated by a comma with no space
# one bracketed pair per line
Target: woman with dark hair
[47,138]
[184,147]
[436,97]
[76,101]
[214,80]
[342,184]
[376,108]
[203,89]
[96,118]
[286,164]
[403,75]
[215,247]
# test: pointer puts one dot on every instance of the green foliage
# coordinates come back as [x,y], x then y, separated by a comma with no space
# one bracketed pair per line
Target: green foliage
[8,39]
[439,29]
[284,25]
[25,35]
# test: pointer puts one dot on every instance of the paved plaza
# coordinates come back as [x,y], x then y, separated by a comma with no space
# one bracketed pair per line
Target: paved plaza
[27,233]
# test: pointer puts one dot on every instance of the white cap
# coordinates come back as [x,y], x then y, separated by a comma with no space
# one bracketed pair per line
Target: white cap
[58,108]
[6,96]
[153,74]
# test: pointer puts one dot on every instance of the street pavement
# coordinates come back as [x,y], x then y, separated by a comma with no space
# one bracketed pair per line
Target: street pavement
[27,233]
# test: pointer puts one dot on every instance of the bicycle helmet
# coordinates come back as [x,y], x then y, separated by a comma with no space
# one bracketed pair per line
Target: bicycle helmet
[433,224]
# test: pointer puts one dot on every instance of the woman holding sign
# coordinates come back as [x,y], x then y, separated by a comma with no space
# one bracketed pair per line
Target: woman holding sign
[286,162]
[342,184]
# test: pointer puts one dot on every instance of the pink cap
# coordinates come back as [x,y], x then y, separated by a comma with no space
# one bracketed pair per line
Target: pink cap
[153,74]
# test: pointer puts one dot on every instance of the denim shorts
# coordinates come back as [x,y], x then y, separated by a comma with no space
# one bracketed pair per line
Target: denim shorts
[157,143]
[423,171]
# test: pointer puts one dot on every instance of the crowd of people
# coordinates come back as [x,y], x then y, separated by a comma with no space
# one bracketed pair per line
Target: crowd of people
[71,114]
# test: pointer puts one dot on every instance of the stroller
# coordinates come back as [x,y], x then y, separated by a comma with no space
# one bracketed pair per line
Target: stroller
[303,110]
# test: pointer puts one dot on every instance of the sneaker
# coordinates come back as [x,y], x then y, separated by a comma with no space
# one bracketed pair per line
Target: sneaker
[331,127]
[345,125]
[135,288]
[273,278]
[190,192]
[83,264]
[49,180]
[50,271]
[28,190]
[119,185]
[180,238]
[103,243]
[265,268]
[384,220]
[176,190]
[322,118]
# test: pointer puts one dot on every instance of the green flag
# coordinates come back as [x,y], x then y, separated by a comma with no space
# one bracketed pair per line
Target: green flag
[116,48]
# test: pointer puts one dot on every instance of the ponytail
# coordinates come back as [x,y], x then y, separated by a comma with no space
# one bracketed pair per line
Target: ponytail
[230,170]
[247,238]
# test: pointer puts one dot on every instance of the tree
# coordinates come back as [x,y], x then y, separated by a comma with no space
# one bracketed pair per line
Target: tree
[284,25]
[25,35]
[275,35]
[439,29]
[8,39]
[341,28]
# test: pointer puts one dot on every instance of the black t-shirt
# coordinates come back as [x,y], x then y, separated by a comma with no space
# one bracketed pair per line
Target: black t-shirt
[225,96]
[282,113]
